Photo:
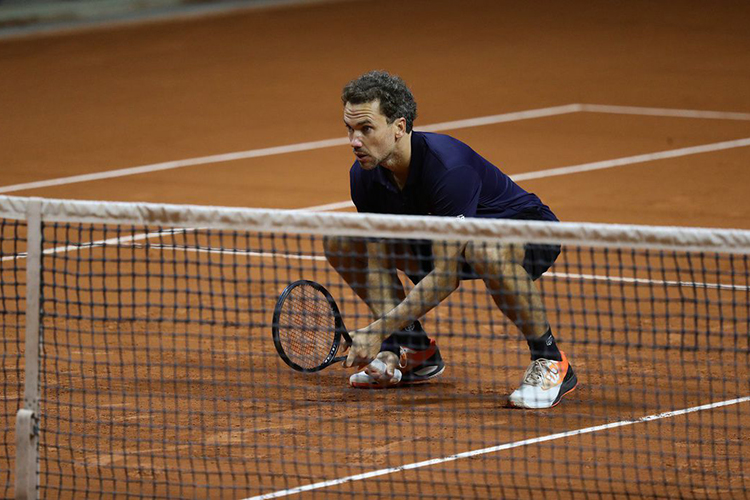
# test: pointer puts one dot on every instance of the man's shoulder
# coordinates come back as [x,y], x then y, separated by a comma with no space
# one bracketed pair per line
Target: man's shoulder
[437,142]
[449,150]
[445,155]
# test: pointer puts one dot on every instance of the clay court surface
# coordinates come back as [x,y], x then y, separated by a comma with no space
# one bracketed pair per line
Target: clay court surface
[239,423]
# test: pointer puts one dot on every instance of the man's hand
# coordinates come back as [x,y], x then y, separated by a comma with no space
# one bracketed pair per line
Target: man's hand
[365,347]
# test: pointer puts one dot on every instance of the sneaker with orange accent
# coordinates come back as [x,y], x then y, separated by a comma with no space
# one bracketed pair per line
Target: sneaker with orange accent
[544,384]
[420,366]
[415,366]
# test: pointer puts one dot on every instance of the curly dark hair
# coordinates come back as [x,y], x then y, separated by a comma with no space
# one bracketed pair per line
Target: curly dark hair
[396,100]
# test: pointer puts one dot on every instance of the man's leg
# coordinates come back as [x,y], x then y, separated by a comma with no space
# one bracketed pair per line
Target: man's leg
[374,280]
[501,268]
[369,268]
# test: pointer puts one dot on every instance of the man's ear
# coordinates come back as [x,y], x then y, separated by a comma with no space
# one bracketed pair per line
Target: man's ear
[400,127]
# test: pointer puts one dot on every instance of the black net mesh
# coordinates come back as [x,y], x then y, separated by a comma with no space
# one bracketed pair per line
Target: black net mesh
[159,377]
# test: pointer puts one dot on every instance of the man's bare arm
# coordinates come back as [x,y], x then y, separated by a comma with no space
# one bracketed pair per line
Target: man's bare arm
[425,296]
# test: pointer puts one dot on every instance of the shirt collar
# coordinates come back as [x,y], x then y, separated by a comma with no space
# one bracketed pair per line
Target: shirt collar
[418,150]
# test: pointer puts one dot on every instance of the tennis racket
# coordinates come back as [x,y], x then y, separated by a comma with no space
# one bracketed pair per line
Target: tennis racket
[307,327]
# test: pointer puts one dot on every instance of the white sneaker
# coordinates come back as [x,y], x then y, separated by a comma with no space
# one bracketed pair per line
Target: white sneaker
[375,376]
[416,366]
[545,383]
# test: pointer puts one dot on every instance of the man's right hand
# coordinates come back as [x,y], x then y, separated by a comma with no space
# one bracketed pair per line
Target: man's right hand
[365,347]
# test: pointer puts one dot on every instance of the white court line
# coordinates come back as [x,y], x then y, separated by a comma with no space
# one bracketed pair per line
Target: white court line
[494,449]
[244,253]
[169,165]
[436,127]
[598,165]
[570,276]
[630,160]
[551,172]
[643,281]
[330,206]
[291,148]
[501,118]
[585,167]
[666,112]
[117,242]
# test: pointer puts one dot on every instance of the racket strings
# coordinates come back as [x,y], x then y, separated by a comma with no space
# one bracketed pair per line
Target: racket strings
[307,326]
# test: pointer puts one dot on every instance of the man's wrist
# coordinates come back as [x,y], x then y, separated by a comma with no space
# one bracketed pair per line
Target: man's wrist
[389,326]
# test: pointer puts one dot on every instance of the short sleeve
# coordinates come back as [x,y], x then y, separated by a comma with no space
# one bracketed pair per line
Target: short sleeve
[457,193]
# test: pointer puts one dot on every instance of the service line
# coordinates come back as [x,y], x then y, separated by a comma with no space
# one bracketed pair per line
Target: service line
[539,174]
[327,143]
[597,165]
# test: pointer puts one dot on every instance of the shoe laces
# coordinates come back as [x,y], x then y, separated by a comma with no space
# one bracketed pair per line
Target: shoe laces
[535,372]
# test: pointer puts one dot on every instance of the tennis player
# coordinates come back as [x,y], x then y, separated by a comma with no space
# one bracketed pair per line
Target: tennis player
[400,171]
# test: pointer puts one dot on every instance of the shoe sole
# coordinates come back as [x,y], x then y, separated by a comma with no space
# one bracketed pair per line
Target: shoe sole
[568,385]
[402,382]
[421,379]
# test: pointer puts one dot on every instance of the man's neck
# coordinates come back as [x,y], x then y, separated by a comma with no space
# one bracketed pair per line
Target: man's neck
[398,163]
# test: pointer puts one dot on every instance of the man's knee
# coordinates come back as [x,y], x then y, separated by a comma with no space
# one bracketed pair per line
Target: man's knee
[489,258]
[332,246]
[336,247]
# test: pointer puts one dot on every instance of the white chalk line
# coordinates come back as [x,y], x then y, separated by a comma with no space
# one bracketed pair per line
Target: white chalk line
[128,241]
[507,117]
[116,241]
[630,160]
[244,253]
[331,206]
[664,112]
[436,127]
[650,282]
[122,240]
[597,165]
[291,148]
[539,174]
[494,449]
[568,276]
[169,165]
[617,162]
[560,275]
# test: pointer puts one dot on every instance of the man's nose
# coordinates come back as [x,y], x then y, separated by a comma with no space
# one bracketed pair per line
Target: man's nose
[355,141]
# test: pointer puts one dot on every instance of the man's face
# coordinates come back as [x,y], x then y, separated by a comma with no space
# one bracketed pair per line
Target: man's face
[372,138]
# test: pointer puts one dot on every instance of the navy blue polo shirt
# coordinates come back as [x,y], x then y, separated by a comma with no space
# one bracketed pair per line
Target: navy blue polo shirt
[446,177]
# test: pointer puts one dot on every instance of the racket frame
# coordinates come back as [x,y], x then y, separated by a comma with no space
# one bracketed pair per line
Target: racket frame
[340,330]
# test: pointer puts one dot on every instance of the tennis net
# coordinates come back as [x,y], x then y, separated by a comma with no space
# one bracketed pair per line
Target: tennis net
[138,361]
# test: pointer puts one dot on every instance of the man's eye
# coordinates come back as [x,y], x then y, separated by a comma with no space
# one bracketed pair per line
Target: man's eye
[366,129]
